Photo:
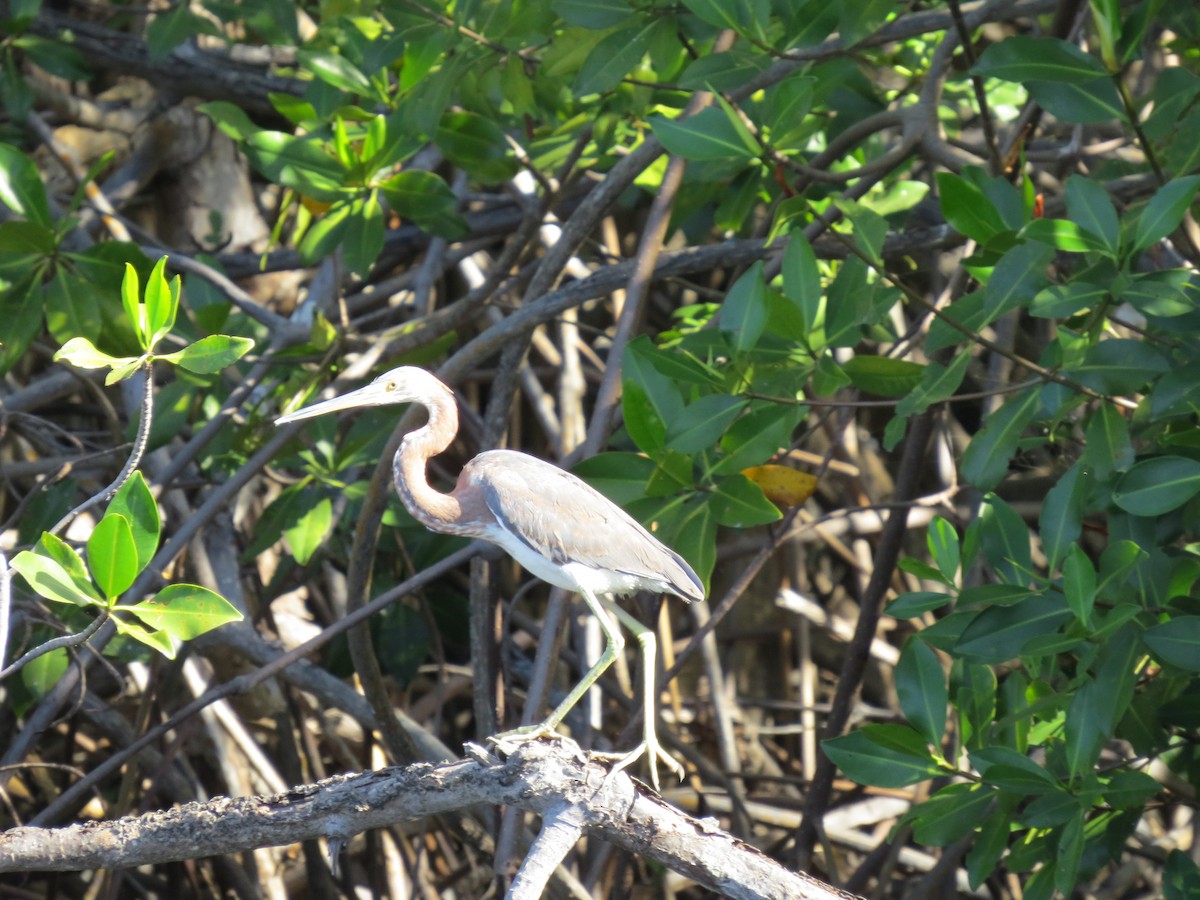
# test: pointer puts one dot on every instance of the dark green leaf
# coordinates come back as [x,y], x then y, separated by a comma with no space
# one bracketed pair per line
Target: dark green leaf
[1016,278]
[1070,853]
[1079,584]
[1176,642]
[335,70]
[1089,206]
[883,376]
[1084,729]
[1086,103]
[41,674]
[966,208]
[1061,518]
[744,312]
[477,144]
[614,58]
[1108,448]
[708,135]
[1158,485]
[312,528]
[1063,234]
[1023,59]
[299,163]
[1062,300]
[998,634]
[943,544]
[594,14]
[702,423]
[802,280]
[72,308]
[737,502]
[951,813]
[1165,210]
[921,689]
[986,459]
[883,755]
[917,603]
[937,383]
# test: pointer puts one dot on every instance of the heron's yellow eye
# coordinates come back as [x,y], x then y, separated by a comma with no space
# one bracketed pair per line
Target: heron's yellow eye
[390,386]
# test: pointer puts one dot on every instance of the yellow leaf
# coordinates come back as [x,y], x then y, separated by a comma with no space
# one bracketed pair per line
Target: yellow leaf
[782,486]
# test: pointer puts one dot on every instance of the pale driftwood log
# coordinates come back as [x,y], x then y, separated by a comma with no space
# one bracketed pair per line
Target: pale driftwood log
[553,778]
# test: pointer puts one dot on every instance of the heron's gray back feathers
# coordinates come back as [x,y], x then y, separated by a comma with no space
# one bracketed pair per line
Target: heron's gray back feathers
[565,520]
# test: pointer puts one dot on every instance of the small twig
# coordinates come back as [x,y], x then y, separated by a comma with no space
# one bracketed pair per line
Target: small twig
[135,457]
[66,640]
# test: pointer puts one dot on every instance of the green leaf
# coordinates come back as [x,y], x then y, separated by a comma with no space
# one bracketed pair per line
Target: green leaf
[1004,539]
[883,376]
[744,312]
[420,196]
[966,208]
[56,572]
[1016,278]
[1062,300]
[1089,206]
[21,188]
[737,502]
[621,477]
[112,555]
[998,634]
[312,528]
[1070,853]
[335,70]
[1158,485]
[1024,59]
[649,399]
[890,756]
[937,383]
[210,354]
[802,280]
[1165,210]
[1130,789]
[1176,642]
[1061,518]
[986,459]
[1063,234]
[723,71]
[185,611]
[41,674]
[131,300]
[1079,584]
[944,547]
[1107,448]
[156,640]
[988,847]
[80,352]
[594,14]
[135,502]
[363,240]
[614,58]
[233,120]
[167,30]
[720,13]
[1181,877]
[951,813]
[299,163]
[72,308]
[702,423]
[921,689]
[1084,729]
[917,603]
[1091,102]
[476,144]
[757,436]
[21,312]
[162,302]
[706,136]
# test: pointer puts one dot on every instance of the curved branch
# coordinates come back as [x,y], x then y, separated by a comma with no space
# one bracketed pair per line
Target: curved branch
[544,777]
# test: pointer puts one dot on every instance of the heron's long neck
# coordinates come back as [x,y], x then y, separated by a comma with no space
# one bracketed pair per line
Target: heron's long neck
[432,508]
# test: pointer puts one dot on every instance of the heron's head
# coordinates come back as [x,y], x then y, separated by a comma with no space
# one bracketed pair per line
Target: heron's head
[406,384]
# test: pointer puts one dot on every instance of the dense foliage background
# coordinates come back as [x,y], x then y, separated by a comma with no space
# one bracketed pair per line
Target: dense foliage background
[885,317]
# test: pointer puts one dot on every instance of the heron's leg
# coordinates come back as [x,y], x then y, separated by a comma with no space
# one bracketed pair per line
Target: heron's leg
[614,644]
[649,745]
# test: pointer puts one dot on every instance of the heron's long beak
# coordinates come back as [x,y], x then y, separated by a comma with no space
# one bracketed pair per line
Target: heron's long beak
[371,395]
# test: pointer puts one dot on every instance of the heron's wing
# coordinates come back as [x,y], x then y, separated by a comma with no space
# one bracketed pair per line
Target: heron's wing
[565,520]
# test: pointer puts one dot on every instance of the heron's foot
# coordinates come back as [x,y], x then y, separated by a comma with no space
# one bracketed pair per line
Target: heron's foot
[525,733]
[654,753]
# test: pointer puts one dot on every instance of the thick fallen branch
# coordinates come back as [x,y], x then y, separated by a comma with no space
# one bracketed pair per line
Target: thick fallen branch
[551,778]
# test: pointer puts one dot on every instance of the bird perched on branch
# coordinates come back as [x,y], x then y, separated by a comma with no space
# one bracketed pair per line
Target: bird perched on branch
[558,527]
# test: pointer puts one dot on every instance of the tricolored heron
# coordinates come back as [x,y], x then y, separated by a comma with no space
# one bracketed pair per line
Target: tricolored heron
[558,527]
